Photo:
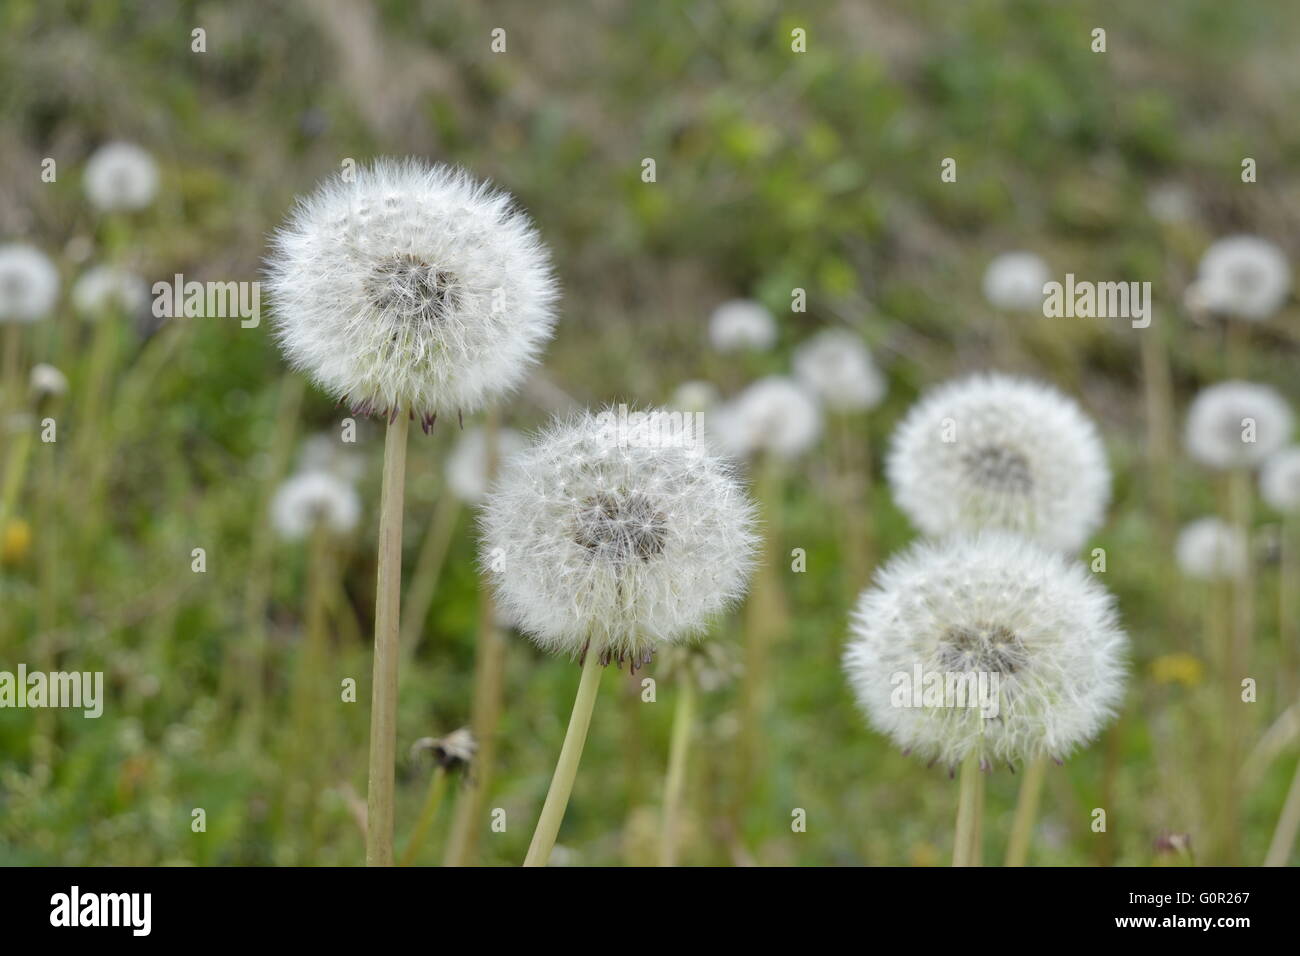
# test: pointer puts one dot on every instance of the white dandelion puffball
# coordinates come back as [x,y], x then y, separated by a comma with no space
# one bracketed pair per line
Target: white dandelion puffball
[312,499]
[1032,624]
[109,289]
[629,538]
[994,451]
[47,381]
[411,287]
[29,283]
[1014,281]
[775,415]
[836,366]
[1210,549]
[467,465]
[1279,480]
[695,396]
[742,324]
[1236,424]
[1245,277]
[120,176]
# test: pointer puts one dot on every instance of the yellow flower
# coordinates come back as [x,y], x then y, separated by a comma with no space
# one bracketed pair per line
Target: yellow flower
[1177,668]
[16,541]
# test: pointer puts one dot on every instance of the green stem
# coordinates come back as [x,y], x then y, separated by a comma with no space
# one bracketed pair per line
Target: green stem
[383,700]
[1022,827]
[428,568]
[432,801]
[557,798]
[966,835]
[683,717]
[1279,850]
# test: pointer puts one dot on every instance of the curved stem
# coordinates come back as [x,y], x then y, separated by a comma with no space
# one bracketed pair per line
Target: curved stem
[566,768]
[1022,827]
[383,689]
[1287,825]
[683,717]
[432,801]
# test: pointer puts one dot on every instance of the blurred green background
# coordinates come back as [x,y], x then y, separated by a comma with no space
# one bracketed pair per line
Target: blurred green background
[775,170]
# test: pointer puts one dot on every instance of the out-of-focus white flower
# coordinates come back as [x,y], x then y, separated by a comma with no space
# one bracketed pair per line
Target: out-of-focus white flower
[1171,203]
[836,366]
[1237,424]
[992,451]
[1245,277]
[411,287]
[1209,549]
[1279,481]
[314,498]
[325,452]
[120,176]
[29,283]
[998,606]
[106,288]
[775,415]
[46,381]
[615,543]
[1014,281]
[742,324]
[467,465]
[695,396]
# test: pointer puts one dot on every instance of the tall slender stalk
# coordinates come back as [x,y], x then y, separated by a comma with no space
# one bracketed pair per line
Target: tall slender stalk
[383,691]
[1288,586]
[1158,398]
[432,801]
[1022,826]
[11,386]
[1279,849]
[674,785]
[428,568]
[566,768]
[1237,663]
[966,836]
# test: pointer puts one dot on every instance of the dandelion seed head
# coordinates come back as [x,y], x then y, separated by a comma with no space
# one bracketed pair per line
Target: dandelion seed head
[313,499]
[120,176]
[1000,452]
[1237,425]
[695,396]
[836,366]
[1210,549]
[1245,277]
[1014,281]
[467,465]
[629,543]
[1279,481]
[46,381]
[998,604]
[742,325]
[29,283]
[411,287]
[775,415]
[106,288]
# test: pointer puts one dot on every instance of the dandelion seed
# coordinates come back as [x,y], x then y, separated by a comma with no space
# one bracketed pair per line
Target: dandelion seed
[1210,549]
[314,499]
[836,366]
[46,381]
[1000,452]
[1014,281]
[994,603]
[120,176]
[107,288]
[411,288]
[615,548]
[467,466]
[29,283]
[1244,277]
[1237,425]
[742,325]
[775,415]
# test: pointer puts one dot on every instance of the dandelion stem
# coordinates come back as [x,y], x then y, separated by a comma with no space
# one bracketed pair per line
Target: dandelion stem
[383,701]
[966,838]
[1237,661]
[432,802]
[557,798]
[1279,850]
[11,389]
[1022,826]
[428,568]
[683,717]
[1288,588]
